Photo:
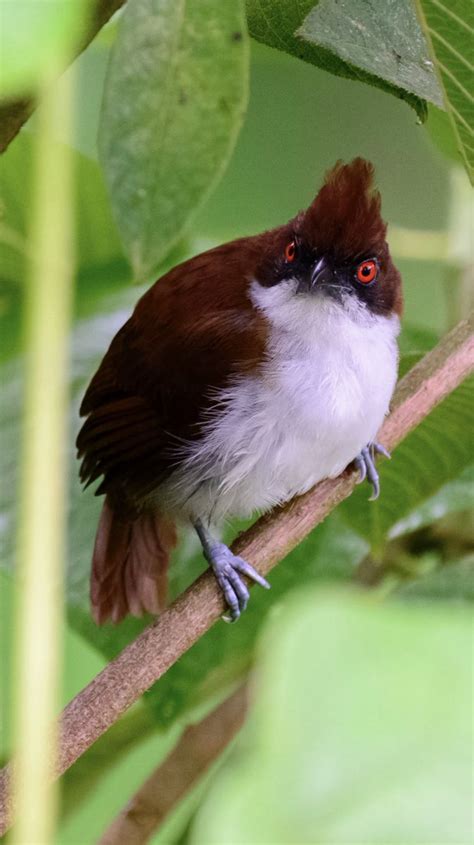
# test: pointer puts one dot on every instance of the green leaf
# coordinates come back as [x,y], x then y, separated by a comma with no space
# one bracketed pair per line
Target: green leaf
[452,582]
[360,730]
[448,26]
[37,38]
[96,239]
[453,497]
[174,101]
[323,35]
[436,452]
[382,38]
[440,130]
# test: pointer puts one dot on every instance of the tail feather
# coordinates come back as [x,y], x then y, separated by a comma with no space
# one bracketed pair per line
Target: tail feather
[130,564]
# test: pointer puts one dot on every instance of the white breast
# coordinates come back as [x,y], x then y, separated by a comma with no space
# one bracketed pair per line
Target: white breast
[320,399]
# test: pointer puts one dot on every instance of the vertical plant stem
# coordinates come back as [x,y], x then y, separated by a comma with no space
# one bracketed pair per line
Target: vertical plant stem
[41,532]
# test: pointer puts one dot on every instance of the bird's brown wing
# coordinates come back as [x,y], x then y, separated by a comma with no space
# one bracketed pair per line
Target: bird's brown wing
[189,334]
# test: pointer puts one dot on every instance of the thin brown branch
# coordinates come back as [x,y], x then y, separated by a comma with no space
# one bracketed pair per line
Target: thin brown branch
[14,113]
[160,645]
[199,746]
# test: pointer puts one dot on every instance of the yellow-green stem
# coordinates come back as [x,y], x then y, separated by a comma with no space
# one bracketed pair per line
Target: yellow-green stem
[41,533]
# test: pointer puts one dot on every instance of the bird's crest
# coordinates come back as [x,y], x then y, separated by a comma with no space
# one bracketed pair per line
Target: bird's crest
[344,218]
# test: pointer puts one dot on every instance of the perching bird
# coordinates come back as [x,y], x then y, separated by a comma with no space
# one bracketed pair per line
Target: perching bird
[243,377]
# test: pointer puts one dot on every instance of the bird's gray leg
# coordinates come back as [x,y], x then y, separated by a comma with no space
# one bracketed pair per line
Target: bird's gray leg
[228,568]
[365,463]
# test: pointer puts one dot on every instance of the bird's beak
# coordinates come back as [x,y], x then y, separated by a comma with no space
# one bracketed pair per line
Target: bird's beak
[322,274]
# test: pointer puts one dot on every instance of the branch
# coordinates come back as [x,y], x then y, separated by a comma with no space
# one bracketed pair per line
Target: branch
[14,113]
[160,645]
[199,746]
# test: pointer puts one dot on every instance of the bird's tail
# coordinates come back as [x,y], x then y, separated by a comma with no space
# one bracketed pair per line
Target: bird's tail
[130,564]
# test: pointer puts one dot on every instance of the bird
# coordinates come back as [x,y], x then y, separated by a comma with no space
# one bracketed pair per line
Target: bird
[244,376]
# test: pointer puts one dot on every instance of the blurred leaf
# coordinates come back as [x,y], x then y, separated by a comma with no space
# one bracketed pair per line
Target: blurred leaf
[174,101]
[277,23]
[360,730]
[450,33]
[7,596]
[440,130]
[382,38]
[455,496]
[97,241]
[452,582]
[415,339]
[436,452]
[37,39]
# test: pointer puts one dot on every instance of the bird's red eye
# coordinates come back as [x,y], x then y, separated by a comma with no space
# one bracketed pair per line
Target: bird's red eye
[290,251]
[367,272]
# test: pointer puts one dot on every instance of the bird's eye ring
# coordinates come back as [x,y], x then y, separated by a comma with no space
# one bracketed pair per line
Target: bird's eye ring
[366,272]
[290,251]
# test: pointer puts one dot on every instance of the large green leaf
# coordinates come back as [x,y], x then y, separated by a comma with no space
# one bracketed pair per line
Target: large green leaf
[37,39]
[382,38]
[360,732]
[174,101]
[448,26]
[291,27]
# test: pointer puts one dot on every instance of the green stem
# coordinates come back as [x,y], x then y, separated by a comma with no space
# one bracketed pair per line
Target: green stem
[41,532]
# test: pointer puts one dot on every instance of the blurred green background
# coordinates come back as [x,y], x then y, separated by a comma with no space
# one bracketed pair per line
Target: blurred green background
[299,121]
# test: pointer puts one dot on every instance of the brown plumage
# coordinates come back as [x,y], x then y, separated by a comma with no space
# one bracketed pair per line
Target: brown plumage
[149,394]
[192,333]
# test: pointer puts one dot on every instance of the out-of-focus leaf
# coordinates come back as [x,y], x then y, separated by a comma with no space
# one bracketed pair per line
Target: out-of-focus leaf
[382,38]
[448,26]
[452,582]
[37,39]
[436,452]
[174,101]
[360,730]
[440,130]
[96,240]
[455,496]
[278,23]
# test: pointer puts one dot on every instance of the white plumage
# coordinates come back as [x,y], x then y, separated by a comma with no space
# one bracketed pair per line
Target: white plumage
[319,398]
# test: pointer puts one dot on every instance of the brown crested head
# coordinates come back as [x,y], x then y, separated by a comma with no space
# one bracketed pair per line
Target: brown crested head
[337,247]
[344,219]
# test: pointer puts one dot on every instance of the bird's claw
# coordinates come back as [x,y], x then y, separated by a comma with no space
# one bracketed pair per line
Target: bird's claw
[365,463]
[228,569]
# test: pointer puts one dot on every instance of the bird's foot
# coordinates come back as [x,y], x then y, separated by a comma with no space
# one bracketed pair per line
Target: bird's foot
[365,463]
[228,569]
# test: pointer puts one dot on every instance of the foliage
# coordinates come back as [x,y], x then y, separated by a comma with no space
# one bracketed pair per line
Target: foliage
[174,101]
[312,32]
[383,39]
[37,39]
[432,455]
[366,746]
[450,32]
